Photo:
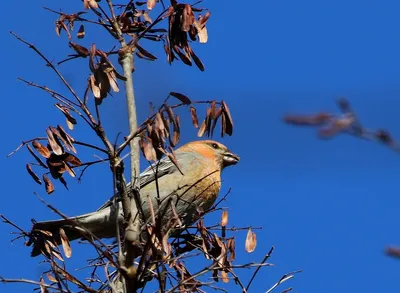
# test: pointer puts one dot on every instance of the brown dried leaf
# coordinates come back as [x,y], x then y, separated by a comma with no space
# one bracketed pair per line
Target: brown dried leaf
[73,160]
[251,241]
[41,149]
[232,249]
[336,126]
[228,119]
[147,17]
[148,149]
[69,124]
[80,50]
[81,32]
[170,113]
[196,60]
[62,180]
[185,59]
[177,132]
[67,138]
[67,114]
[90,4]
[70,171]
[223,124]
[151,4]
[39,160]
[43,288]
[393,251]
[48,184]
[55,146]
[113,81]
[202,129]
[51,278]
[317,119]
[195,120]
[173,159]
[204,19]
[224,277]
[145,53]
[33,174]
[181,97]
[92,64]
[94,87]
[65,243]
[187,18]
[224,218]
[217,114]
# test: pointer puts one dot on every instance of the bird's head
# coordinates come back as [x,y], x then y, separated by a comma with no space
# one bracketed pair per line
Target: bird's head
[215,151]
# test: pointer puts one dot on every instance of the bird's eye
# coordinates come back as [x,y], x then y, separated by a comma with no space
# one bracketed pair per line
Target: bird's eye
[214,145]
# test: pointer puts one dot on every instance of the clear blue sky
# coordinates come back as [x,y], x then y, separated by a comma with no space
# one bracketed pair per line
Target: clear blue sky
[330,208]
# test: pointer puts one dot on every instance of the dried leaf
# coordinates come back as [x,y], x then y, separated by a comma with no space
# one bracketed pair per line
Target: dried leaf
[181,97]
[43,288]
[224,277]
[69,124]
[145,53]
[170,113]
[55,146]
[94,87]
[41,149]
[224,218]
[67,138]
[33,174]
[217,114]
[204,19]
[48,184]
[177,132]
[39,160]
[228,119]
[187,18]
[82,51]
[146,17]
[173,159]
[90,4]
[336,126]
[73,160]
[251,241]
[151,4]
[62,180]
[195,120]
[202,129]
[65,243]
[81,32]
[317,119]
[197,60]
[185,59]
[92,64]
[148,149]
[51,278]
[232,249]
[69,170]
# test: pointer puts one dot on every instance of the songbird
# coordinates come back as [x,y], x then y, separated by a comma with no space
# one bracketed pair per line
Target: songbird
[183,192]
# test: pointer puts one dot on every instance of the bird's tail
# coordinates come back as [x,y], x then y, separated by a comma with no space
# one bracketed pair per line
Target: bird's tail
[45,235]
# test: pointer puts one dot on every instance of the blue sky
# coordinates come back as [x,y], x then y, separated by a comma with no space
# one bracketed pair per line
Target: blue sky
[329,207]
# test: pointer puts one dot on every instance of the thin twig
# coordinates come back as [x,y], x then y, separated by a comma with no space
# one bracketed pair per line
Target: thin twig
[258,268]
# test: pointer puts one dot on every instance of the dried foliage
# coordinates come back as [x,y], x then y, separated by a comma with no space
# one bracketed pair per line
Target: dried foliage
[329,125]
[346,122]
[160,258]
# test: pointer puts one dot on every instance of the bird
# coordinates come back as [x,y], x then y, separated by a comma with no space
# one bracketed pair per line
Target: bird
[165,191]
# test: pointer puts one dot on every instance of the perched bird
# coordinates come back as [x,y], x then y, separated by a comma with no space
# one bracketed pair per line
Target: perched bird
[165,191]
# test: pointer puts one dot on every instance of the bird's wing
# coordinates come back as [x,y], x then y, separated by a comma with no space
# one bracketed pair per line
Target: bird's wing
[157,170]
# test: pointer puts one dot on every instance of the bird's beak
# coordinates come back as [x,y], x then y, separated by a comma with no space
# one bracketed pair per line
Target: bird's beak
[230,159]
